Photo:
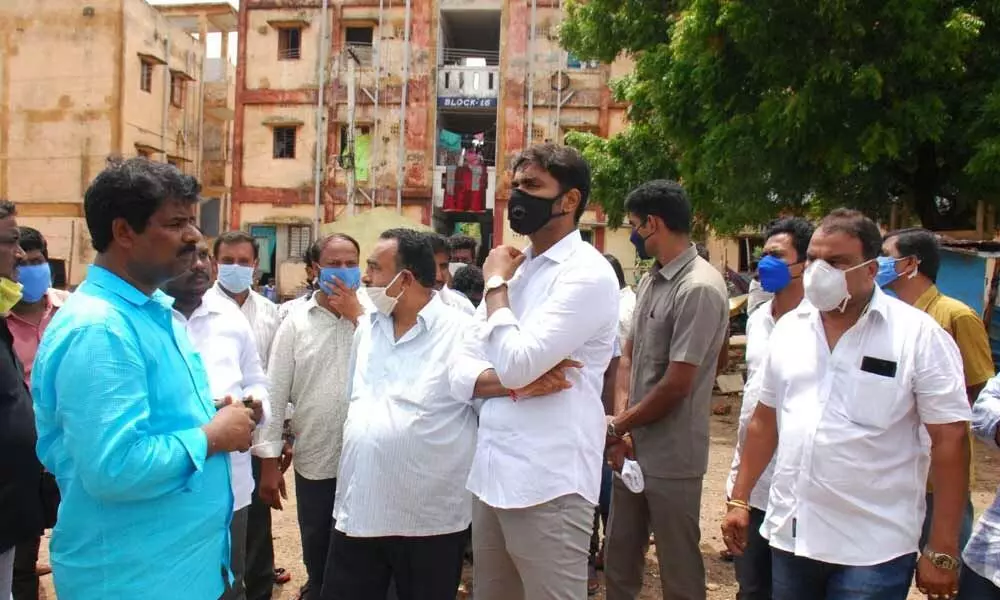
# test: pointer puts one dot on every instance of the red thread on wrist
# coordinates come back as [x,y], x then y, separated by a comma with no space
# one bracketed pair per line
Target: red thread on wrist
[513,395]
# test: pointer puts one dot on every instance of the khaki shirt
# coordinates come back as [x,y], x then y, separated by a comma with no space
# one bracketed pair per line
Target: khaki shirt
[682,314]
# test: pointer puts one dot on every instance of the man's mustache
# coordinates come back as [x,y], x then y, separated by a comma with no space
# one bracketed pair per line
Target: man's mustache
[187,250]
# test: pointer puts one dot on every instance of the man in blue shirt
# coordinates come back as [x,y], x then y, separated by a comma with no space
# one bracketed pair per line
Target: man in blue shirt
[125,418]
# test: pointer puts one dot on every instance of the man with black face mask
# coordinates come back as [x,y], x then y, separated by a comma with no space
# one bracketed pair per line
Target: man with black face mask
[543,339]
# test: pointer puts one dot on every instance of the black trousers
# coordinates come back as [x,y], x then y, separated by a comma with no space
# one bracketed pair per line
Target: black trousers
[25,580]
[259,574]
[423,568]
[315,511]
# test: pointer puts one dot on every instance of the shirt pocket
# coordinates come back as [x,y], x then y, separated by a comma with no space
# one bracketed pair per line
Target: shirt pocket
[872,400]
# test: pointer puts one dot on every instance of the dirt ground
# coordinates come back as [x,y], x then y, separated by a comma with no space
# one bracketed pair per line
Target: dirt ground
[721,584]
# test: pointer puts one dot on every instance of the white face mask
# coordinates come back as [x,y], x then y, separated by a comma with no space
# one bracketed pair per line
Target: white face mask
[383,301]
[826,286]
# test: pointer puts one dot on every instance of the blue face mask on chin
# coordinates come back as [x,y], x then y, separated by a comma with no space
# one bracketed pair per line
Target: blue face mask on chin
[35,281]
[349,276]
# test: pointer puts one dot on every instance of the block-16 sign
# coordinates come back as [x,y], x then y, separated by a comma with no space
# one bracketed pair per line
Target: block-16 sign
[467,102]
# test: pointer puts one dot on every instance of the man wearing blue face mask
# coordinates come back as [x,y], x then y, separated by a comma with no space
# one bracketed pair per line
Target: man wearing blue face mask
[309,369]
[780,271]
[909,269]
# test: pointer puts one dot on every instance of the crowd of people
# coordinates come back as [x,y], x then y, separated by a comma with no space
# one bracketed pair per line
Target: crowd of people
[435,411]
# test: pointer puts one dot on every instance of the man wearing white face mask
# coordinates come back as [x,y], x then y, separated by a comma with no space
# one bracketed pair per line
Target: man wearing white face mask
[402,508]
[857,377]
[235,258]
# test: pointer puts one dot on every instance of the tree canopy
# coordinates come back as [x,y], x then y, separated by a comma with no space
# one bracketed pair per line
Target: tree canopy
[765,106]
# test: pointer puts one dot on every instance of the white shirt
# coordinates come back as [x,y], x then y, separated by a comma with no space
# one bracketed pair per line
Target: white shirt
[851,466]
[456,300]
[223,338]
[564,304]
[408,440]
[285,308]
[759,327]
[262,315]
[626,306]
[310,361]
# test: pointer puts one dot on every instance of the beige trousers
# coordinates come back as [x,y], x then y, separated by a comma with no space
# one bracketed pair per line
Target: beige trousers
[535,553]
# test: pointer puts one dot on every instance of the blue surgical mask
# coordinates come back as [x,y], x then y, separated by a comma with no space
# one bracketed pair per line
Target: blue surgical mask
[886,271]
[774,274]
[235,278]
[35,281]
[349,276]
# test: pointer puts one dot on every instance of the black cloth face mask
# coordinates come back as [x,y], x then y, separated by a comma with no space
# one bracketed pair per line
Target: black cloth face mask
[527,214]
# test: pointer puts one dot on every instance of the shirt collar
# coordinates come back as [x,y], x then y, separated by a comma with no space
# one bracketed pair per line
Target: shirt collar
[427,317]
[927,298]
[105,279]
[672,268]
[561,250]
[879,304]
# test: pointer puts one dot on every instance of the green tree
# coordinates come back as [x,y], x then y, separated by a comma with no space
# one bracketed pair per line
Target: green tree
[775,105]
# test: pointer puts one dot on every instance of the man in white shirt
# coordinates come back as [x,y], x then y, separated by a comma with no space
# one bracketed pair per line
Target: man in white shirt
[309,369]
[236,257]
[780,269]
[854,383]
[402,508]
[536,474]
[442,279]
[223,338]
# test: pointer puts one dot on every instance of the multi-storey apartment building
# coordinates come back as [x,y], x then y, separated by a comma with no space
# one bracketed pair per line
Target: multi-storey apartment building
[82,81]
[417,106]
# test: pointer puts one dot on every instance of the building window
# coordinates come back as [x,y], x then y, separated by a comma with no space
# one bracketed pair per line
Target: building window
[289,43]
[299,238]
[573,62]
[360,40]
[176,90]
[284,142]
[146,77]
[144,154]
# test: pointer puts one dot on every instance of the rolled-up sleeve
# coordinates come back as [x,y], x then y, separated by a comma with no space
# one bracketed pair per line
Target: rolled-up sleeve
[986,412]
[938,378]
[581,303]
[102,403]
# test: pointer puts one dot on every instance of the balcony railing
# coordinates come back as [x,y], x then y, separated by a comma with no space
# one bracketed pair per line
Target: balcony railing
[468,82]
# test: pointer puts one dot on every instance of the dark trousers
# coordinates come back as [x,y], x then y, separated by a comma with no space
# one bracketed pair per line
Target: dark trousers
[25,580]
[601,512]
[315,511]
[753,568]
[259,568]
[799,578]
[973,586]
[423,568]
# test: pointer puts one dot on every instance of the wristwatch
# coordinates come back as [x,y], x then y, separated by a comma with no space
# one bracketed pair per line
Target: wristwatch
[941,560]
[495,282]
[612,432]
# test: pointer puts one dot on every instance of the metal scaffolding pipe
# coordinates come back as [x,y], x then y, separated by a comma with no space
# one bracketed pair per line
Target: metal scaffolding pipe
[529,73]
[324,49]
[401,168]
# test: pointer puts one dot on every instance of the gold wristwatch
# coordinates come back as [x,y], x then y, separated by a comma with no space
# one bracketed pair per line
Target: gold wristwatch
[941,560]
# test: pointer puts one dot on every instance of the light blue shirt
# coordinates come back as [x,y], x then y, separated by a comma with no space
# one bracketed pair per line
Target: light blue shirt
[982,553]
[120,399]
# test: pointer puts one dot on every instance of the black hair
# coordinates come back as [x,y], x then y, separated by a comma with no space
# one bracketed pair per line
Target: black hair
[439,243]
[133,190]
[468,280]
[7,209]
[32,239]
[414,254]
[462,242]
[800,230]
[702,251]
[565,164]
[334,236]
[664,199]
[231,238]
[619,271]
[855,224]
[313,251]
[915,241]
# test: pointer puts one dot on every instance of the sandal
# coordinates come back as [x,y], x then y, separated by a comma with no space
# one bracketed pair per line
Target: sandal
[281,576]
